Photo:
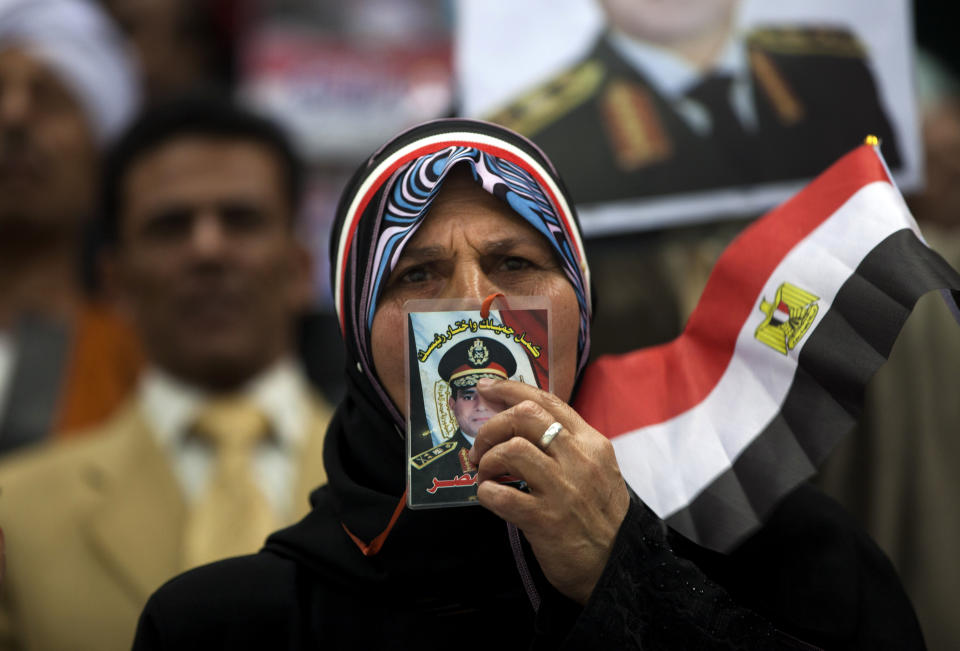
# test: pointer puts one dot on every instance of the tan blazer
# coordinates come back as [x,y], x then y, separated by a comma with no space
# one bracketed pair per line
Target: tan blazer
[93,527]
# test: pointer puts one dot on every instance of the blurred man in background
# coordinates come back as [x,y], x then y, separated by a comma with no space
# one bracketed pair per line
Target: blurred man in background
[66,88]
[222,441]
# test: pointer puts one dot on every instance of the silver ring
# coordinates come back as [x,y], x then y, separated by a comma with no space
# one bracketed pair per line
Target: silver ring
[550,434]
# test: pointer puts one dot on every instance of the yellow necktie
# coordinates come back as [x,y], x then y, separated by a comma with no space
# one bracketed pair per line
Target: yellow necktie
[232,516]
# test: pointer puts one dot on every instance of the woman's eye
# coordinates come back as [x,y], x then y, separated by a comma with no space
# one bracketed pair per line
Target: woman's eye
[414,275]
[516,264]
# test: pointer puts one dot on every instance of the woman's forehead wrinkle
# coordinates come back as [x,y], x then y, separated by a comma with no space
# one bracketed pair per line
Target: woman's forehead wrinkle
[482,243]
[508,244]
[423,253]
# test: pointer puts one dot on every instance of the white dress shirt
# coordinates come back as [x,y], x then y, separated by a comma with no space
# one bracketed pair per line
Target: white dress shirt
[170,407]
[673,77]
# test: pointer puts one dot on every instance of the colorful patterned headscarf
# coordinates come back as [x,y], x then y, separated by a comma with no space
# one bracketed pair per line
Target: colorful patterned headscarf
[389,197]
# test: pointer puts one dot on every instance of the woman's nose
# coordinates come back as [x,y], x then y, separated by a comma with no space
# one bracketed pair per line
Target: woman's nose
[469,280]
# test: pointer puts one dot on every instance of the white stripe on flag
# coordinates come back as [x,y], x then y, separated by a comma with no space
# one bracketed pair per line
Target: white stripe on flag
[669,463]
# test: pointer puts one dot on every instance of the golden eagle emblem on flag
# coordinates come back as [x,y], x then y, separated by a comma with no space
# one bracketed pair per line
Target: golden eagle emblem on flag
[788,317]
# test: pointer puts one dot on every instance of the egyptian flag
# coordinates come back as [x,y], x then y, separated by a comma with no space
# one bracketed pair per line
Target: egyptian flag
[713,428]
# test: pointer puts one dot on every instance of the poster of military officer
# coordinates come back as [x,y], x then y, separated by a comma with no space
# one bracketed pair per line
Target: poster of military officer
[450,352]
[689,111]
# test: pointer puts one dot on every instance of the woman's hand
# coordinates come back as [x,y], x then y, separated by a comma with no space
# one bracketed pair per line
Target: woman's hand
[577,498]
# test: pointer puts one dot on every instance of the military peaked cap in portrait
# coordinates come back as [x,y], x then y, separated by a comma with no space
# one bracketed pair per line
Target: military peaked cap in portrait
[476,358]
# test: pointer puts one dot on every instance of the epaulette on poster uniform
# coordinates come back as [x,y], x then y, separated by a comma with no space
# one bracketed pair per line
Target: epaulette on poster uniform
[766,46]
[810,41]
[544,104]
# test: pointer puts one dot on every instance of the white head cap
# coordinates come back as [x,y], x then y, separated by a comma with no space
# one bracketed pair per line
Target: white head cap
[81,44]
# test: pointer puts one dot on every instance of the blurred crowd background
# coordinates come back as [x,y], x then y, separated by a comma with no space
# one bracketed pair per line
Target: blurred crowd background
[339,78]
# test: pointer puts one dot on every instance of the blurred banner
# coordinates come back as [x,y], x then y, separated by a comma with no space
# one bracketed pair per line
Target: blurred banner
[660,114]
[341,98]
[343,78]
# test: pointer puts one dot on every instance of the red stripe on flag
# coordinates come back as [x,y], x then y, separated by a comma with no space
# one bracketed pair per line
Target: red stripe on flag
[623,393]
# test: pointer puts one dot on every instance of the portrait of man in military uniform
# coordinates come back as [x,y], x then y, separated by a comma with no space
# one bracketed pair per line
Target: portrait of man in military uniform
[671,99]
[445,468]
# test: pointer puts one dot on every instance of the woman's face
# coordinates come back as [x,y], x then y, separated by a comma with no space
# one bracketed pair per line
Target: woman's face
[472,245]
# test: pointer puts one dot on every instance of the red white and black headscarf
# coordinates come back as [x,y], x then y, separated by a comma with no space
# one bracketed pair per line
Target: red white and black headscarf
[390,196]
[364,453]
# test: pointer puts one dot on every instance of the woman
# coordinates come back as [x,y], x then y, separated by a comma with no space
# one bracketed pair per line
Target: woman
[458,208]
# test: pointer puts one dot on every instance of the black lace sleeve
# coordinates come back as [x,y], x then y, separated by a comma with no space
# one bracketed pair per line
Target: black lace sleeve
[809,578]
[650,598]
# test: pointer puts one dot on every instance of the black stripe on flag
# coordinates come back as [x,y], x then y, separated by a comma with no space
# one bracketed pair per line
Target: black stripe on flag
[826,397]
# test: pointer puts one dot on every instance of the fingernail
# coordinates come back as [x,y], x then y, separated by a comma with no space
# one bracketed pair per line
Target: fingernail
[485,382]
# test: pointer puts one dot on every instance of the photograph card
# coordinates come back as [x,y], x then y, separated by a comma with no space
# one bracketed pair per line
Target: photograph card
[452,345]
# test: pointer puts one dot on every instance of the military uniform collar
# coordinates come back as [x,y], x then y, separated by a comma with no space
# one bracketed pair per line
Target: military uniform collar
[671,75]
